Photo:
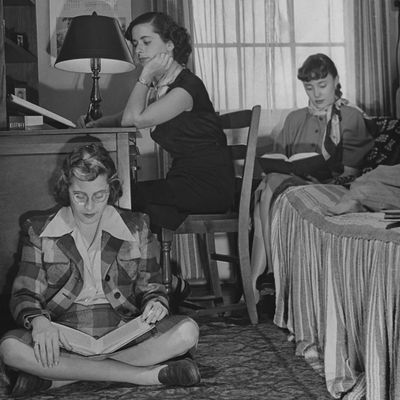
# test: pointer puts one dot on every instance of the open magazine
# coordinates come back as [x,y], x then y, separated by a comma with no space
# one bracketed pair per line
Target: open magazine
[301,164]
[34,108]
[87,345]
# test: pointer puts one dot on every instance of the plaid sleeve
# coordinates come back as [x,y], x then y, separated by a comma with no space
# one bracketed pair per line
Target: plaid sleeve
[149,281]
[27,297]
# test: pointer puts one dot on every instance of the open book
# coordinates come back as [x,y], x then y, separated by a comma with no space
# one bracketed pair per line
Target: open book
[48,115]
[87,345]
[301,164]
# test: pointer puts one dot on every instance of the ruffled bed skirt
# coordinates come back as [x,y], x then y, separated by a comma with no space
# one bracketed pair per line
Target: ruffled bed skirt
[338,291]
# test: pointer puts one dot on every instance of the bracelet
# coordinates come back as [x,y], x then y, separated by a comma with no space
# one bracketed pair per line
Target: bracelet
[144,82]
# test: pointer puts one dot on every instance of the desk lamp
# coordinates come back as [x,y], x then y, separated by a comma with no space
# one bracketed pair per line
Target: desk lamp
[94,44]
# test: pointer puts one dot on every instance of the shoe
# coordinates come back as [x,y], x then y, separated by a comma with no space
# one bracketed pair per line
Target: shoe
[182,291]
[27,384]
[180,373]
[266,284]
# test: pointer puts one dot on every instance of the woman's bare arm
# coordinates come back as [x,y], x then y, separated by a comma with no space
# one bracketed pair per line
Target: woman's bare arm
[169,106]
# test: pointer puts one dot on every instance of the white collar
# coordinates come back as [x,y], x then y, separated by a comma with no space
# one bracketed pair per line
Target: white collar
[111,221]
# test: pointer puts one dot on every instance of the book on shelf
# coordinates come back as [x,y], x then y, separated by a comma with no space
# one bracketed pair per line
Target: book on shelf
[119,338]
[21,122]
[52,118]
[301,164]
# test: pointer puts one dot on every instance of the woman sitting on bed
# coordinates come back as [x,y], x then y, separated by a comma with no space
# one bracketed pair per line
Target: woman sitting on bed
[329,126]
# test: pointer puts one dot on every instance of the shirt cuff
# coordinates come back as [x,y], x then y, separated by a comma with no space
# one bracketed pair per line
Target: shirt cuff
[28,318]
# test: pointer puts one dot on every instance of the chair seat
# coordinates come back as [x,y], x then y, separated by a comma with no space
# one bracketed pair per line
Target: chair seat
[209,223]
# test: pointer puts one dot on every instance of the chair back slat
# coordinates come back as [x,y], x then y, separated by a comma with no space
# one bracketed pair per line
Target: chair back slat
[236,120]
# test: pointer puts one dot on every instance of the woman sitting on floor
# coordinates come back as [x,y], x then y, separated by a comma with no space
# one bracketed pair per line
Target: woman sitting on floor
[92,267]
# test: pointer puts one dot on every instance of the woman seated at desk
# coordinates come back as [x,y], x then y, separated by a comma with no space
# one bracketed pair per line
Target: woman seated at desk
[174,103]
[92,267]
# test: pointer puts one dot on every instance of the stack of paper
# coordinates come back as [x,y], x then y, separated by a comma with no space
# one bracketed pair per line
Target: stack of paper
[391,215]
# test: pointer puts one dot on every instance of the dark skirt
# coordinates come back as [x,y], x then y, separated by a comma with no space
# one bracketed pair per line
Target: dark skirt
[197,185]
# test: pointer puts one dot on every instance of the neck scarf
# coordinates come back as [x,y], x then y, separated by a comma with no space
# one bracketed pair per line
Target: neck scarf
[159,88]
[332,136]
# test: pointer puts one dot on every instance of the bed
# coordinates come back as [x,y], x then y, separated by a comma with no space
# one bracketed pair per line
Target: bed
[337,283]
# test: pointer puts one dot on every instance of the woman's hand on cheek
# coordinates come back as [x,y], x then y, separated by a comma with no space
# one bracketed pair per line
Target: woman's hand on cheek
[157,65]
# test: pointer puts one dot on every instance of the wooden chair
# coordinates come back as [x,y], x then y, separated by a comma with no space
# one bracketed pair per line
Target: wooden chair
[236,221]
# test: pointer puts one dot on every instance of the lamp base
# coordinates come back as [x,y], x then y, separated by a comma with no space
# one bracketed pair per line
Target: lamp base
[94,111]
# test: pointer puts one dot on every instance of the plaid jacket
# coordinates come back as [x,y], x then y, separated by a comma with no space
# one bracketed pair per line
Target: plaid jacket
[50,277]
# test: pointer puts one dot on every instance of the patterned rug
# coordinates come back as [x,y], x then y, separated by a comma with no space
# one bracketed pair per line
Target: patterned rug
[236,360]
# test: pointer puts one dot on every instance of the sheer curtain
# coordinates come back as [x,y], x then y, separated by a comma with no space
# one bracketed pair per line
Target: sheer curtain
[248,51]
[374,82]
[236,52]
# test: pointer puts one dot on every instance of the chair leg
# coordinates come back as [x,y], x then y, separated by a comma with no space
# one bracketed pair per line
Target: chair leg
[244,261]
[213,269]
[166,242]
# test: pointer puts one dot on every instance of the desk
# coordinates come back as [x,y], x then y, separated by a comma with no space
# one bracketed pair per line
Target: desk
[29,161]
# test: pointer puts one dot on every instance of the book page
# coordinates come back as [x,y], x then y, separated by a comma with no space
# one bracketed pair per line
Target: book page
[123,335]
[300,156]
[81,342]
[277,156]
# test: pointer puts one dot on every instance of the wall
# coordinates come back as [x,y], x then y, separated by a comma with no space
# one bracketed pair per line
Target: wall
[67,93]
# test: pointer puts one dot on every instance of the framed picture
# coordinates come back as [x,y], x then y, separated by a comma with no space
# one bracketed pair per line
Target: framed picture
[20,92]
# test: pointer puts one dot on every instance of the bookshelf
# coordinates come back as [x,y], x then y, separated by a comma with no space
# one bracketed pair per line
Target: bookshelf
[18,52]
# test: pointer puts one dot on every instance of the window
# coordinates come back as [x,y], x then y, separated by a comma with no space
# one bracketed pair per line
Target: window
[248,51]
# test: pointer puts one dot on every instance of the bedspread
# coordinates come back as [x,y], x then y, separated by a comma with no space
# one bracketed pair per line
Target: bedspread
[338,290]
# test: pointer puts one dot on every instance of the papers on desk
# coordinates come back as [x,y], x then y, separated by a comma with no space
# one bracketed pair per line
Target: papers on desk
[53,117]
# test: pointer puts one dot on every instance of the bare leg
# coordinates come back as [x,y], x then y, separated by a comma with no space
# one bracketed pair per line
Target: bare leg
[176,341]
[21,357]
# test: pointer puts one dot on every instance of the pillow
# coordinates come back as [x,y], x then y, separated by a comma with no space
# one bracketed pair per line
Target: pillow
[386,150]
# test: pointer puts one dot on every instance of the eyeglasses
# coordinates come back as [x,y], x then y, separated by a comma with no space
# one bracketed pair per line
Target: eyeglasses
[82,198]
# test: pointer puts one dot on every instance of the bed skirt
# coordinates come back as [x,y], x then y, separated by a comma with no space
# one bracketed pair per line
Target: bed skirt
[338,291]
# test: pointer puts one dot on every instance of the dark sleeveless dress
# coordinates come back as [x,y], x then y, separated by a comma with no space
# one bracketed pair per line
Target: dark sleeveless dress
[201,177]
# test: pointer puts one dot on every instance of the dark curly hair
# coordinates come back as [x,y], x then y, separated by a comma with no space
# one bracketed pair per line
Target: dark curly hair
[86,163]
[318,66]
[168,29]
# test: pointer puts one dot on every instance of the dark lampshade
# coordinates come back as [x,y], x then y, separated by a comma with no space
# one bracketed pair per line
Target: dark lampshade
[94,36]
[95,44]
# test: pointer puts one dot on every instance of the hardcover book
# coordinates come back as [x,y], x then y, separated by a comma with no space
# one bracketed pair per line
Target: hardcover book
[301,164]
[121,337]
